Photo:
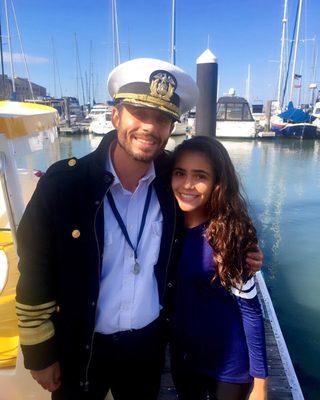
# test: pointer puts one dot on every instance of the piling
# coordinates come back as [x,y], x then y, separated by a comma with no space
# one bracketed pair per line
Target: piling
[207,81]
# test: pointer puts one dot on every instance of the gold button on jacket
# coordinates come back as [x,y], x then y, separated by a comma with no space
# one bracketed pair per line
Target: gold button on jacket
[72,162]
[75,233]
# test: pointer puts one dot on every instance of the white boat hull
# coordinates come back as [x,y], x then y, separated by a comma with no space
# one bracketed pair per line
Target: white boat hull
[236,129]
[98,127]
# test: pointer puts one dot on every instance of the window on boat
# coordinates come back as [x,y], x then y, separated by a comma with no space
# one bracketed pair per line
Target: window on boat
[221,112]
[234,112]
[246,116]
[257,108]
[108,117]
[317,111]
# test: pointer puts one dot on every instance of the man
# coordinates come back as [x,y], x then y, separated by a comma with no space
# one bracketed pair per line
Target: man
[95,245]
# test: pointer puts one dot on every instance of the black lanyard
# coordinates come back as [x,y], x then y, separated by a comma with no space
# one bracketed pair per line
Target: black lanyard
[123,228]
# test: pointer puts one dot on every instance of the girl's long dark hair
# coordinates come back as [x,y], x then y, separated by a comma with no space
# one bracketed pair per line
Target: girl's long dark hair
[230,230]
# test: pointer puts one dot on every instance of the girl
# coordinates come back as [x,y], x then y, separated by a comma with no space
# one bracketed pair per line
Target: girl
[218,344]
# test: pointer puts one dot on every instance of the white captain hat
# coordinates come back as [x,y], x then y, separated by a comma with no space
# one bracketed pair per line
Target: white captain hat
[148,82]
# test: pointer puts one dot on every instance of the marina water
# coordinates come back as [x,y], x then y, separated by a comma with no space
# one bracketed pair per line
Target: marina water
[282,182]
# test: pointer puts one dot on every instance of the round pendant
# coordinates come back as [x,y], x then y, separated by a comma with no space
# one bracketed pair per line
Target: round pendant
[136,268]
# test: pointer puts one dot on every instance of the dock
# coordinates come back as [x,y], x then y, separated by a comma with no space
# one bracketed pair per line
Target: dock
[282,382]
[76,129]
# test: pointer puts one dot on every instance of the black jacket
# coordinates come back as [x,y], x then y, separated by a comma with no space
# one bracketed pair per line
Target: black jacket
[60,245]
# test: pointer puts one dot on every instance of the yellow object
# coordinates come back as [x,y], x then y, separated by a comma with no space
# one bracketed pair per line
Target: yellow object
[9,339]
[76,233]
[35,325]
[72,162]
[20,119]
[144,99]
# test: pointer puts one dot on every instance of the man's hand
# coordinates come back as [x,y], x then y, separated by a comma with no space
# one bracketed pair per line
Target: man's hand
[49,378]
[259,390]
[254,260]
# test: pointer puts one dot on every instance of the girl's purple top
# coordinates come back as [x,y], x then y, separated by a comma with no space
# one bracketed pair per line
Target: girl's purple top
[217,332]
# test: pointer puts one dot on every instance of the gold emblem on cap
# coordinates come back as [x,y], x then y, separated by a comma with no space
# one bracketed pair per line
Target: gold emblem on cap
[75,233]
[72,162]
[162,85]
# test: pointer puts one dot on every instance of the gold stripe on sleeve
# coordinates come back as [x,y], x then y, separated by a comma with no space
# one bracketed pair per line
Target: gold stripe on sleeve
[35,335]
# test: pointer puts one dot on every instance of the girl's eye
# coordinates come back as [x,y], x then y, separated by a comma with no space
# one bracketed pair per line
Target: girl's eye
[177,173]
[201,177]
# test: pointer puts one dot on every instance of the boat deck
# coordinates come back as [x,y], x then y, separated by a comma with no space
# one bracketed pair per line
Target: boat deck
[278,386]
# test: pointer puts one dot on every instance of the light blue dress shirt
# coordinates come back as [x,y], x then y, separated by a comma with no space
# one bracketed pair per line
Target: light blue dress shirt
[128,301]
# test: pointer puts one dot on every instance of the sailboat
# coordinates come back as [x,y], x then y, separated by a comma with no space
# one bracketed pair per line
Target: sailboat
[298,124]
[293,122]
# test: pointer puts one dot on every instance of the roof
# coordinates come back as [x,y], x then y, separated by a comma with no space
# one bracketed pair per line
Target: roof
[232,99]
[21,119]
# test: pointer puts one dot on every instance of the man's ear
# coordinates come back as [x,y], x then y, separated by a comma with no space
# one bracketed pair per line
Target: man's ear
[115,117]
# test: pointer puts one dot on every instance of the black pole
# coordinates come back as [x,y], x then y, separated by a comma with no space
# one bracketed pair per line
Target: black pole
[207,81]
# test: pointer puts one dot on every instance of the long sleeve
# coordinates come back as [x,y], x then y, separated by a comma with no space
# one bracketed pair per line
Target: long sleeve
[253,325]
[36,300]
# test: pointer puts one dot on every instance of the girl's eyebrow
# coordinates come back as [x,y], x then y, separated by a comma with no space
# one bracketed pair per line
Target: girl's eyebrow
[196,171]
[200,171]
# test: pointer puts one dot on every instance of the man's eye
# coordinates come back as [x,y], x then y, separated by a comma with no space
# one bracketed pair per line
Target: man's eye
[201,177]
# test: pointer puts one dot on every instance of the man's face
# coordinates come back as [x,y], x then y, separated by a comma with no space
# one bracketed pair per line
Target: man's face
[142,132]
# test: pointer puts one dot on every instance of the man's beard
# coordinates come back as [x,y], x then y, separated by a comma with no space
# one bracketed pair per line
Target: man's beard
[141,157]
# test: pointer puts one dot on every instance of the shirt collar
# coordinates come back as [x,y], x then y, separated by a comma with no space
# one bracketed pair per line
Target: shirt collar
[148,177]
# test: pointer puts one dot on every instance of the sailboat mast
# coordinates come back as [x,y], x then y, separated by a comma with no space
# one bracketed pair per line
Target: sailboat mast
[248,84]
[173,33]
[283,40]
[10,50]
[314,70]
[2,66]
[115,34]
[295,51]
[22,49]
[79,68]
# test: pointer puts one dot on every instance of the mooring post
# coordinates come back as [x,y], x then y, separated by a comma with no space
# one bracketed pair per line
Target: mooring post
[207,81]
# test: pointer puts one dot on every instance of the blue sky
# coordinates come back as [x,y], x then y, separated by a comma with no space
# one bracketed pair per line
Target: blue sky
[241,32]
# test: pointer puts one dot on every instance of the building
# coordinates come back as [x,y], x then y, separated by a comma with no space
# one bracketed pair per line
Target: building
[5,87]
[22,89]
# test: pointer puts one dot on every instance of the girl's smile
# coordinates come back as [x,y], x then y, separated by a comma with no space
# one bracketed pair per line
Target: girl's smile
[192,183]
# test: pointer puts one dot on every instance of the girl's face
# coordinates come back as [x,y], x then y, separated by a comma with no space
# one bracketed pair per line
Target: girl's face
[192,181]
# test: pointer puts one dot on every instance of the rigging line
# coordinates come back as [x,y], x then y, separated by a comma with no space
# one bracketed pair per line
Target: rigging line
[57,68]
[2,66]
[22,49]
[290,56]
[77,72]
[10,50]
[78,59]
[116,33]
[54,69]
[295,49]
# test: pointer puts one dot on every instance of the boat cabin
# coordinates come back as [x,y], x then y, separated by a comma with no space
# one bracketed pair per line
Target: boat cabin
[233,108]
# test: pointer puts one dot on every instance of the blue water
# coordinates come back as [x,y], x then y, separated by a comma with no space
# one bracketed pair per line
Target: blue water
[282,182]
